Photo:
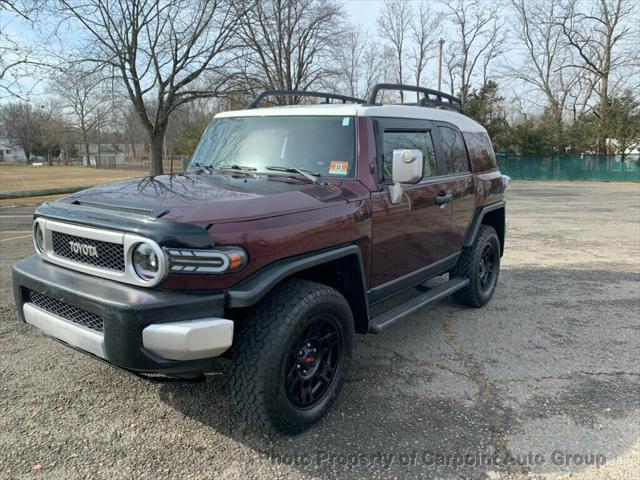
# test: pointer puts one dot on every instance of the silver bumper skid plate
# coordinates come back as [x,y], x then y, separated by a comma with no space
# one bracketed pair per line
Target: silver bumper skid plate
[184,340]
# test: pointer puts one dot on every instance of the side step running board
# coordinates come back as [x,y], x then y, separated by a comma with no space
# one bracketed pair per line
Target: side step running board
[387,319]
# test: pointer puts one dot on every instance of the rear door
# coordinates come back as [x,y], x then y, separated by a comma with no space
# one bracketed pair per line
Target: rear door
[456,181]
[416,233]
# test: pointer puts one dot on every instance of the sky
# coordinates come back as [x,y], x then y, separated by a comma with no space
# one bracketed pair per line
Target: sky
[359,12]
[363,12]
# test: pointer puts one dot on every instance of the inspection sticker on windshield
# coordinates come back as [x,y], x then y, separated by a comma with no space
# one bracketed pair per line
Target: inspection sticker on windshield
[338,168]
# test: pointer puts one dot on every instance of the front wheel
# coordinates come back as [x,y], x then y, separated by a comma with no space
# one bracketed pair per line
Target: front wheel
[292,355]
[480,263]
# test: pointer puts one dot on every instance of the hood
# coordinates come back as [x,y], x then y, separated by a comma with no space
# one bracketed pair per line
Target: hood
[203,197]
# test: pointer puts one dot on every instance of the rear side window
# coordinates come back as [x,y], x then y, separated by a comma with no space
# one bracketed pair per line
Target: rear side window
[480,151]
[402,140]
[455,156]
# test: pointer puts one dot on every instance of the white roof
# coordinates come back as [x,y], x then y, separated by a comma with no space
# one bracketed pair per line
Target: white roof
[463,122]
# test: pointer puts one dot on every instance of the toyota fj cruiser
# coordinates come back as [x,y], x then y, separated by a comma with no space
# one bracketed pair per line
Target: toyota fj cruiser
[288,225]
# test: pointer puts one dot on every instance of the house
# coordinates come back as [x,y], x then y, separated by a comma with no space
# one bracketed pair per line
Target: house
[632,146]
[10,151]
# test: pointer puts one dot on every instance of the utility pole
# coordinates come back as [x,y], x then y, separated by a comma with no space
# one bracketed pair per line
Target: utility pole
[440,43]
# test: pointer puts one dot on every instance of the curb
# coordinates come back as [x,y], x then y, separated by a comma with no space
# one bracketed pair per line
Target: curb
[41,193]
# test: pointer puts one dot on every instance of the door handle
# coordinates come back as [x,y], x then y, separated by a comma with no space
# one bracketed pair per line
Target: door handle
[443,198]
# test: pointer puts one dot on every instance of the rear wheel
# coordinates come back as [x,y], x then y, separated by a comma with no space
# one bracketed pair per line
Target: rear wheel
[480,263]
[292,355]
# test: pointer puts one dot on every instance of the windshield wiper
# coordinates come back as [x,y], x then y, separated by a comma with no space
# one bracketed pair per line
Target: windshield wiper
[305,173]
[235,166]
[200,166]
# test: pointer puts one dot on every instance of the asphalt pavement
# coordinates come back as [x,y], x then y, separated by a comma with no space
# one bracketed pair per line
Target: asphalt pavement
[543,381]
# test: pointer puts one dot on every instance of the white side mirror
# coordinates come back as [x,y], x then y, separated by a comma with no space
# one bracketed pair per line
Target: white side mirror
[407,167]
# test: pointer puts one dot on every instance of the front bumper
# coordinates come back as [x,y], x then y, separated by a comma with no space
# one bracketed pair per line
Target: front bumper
[144,330]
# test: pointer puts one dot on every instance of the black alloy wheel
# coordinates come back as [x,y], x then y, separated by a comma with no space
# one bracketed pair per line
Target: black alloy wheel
[313,363]
[480,264]
[487,267]
[291,356]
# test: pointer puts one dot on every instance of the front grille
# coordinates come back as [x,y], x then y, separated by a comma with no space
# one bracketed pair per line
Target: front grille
[106,254]
[64,310]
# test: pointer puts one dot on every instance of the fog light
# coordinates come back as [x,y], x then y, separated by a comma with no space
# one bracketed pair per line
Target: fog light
[145,261]
[38,238]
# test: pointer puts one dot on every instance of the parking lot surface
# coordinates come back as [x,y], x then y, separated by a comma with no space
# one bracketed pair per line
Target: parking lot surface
[543,381]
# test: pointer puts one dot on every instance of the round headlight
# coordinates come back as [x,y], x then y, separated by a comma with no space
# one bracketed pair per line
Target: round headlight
[38,238]
[145,261]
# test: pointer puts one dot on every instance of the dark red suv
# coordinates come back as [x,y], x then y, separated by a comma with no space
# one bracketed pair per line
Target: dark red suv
[290,223]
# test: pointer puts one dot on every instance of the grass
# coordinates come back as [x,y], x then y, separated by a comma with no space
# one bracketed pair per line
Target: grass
[20,202]
[19,178]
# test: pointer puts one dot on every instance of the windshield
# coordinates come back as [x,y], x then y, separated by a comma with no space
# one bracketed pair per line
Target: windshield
[319,145]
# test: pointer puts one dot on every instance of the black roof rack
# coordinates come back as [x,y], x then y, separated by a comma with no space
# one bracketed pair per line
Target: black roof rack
[303,93]
[432,98]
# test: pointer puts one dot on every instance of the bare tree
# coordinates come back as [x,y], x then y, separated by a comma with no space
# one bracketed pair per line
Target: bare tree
[478,40]
[130,130]
[53,134]
[598,35]
[547,62]
[394,24]
[82,97]
[289,42]
[425,32]
[13,57]
[580,96]
[349,60]
[187,125]
[357,63]
[26,124]
[372,65]
[16,55]
[164,53]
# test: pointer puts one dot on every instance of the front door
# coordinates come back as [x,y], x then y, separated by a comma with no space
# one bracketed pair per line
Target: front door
[414,234]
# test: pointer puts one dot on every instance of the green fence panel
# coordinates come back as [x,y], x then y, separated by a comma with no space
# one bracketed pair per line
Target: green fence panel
[593,168]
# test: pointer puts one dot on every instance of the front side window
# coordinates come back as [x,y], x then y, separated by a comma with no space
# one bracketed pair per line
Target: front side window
[323,145]
[402,140]
[455,155]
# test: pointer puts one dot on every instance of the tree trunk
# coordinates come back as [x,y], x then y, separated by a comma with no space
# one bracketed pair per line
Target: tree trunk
[560,147]
[133,150]
[157,142]
[86,162]
[602,117]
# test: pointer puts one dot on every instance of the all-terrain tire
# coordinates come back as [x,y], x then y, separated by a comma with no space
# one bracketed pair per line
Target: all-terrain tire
[268,342]
[472,266]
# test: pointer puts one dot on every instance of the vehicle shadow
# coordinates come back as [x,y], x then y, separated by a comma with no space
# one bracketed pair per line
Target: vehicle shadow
[452,381]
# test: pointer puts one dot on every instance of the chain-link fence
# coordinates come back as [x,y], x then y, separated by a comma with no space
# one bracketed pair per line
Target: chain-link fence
[595,168]
[171,163]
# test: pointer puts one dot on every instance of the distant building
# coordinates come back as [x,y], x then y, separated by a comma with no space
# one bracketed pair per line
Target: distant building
[108,155]
[632,147]
[10,151]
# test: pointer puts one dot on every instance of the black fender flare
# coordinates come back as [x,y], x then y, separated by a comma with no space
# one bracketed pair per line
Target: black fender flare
[472,231]
[250,291]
